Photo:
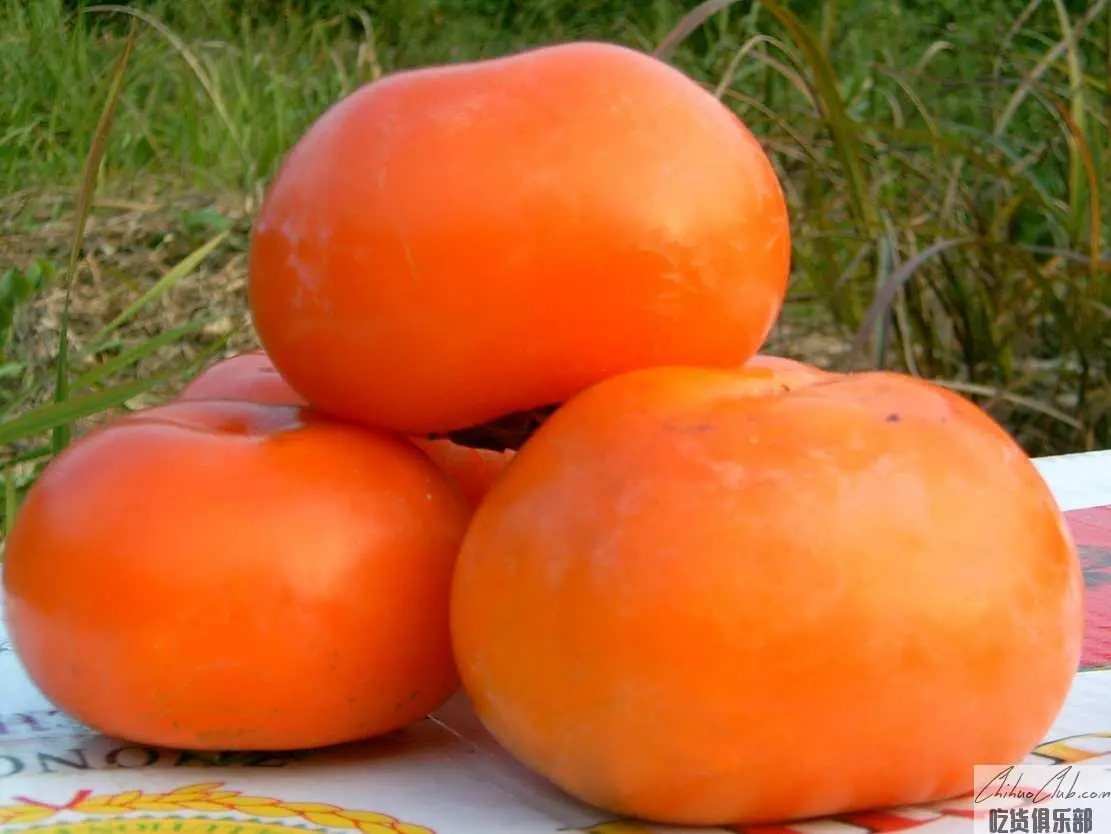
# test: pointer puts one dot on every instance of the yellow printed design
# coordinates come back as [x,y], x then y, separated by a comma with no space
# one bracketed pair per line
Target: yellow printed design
[165,825]
[1073,748]
[264,815]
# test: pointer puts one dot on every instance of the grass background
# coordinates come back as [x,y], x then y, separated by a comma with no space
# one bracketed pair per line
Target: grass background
[946,167]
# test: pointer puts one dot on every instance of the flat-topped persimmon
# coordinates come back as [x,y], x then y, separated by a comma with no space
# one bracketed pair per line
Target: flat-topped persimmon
[233,575]
[717,598]
[451,244]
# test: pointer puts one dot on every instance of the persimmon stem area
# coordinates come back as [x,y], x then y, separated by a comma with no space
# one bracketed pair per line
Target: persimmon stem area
[505,433]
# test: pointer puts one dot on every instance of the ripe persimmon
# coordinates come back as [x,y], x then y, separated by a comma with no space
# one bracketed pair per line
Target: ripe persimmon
[223,574]
[697,599]
[473,471]
[247,376]
[251,376]
[786,373]
[448,245]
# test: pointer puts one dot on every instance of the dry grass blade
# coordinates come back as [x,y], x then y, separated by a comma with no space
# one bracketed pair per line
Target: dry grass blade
[931,52]
[1080,151]
[1024,181]
[131,357]
[1078,113]
[689,23]
[192,60]
[887,293]
[781,123]
[84,204]
[915,99]
[747,49]
[1014,399]
[179,271]
[1026,87]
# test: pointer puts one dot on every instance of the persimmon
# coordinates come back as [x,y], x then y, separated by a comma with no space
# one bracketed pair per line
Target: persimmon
[247,376]
[787,373]
[696,598]
[473,471]
[451,244]
[251,376]
[222,574]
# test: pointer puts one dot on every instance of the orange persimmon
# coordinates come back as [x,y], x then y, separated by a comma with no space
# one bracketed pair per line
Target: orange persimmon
[787,373]
[247,376]
[451,244]
[696,598]
[251,376]
[233,575]
[473,471]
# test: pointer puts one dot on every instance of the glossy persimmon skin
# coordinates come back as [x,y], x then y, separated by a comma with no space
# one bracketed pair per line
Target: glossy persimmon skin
[230,575]
[696,599]
[251,376]
[451,244]
[247,376]
[473,471]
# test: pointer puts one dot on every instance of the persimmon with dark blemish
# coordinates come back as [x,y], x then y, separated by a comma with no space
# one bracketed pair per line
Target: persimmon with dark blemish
[712,597]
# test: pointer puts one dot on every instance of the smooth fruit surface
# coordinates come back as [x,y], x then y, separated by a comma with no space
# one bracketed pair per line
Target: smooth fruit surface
[698,598]
[451,244]
[251,376]
[247,376]
[232,575]
[473,471]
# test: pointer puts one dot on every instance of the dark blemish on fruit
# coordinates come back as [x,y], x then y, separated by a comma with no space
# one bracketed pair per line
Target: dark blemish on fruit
[892,418]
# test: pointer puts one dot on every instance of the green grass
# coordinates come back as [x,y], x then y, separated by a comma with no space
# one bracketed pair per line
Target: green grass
[947,171]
